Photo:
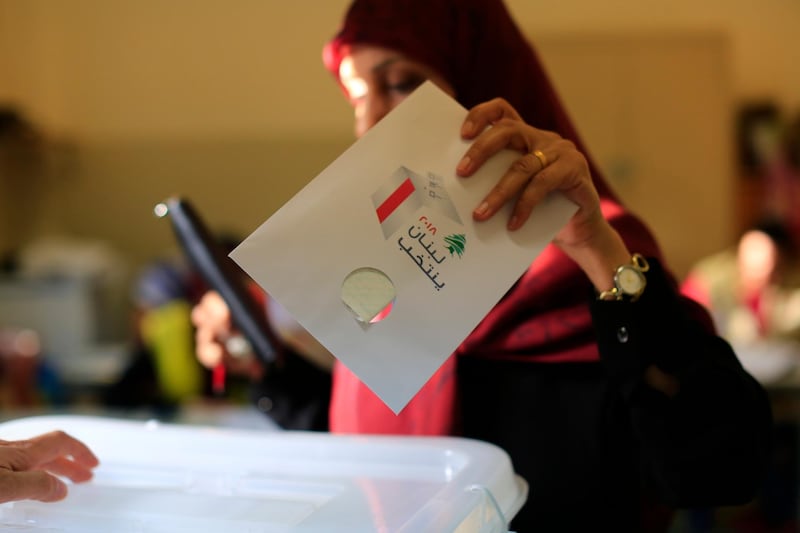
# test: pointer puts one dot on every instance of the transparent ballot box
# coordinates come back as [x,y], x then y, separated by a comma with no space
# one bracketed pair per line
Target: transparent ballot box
[156,477]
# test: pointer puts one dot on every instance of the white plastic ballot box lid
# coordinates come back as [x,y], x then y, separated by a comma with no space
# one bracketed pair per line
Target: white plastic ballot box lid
[157,477]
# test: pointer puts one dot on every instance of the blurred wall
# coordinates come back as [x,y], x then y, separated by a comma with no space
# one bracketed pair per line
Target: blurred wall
[227,102]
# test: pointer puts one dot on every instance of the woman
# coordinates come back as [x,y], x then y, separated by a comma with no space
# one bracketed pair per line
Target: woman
[604,396]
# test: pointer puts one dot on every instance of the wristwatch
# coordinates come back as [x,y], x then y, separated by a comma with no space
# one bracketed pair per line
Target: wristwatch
[629,280]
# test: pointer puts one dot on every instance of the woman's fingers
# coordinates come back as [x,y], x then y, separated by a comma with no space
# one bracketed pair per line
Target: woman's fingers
[521,178]
[543,182]
[547,163]
[31,485]
[486,114]
[551,164]
[504,134]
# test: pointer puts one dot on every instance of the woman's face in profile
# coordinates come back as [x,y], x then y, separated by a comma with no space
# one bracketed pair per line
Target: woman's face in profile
[377,79]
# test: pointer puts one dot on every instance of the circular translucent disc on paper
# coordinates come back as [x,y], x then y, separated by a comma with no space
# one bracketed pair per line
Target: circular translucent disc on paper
[369,294]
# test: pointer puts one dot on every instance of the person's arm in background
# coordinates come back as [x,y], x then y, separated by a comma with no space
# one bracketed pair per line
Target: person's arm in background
[214,327]
[29,468]
[212,319]
[295,391]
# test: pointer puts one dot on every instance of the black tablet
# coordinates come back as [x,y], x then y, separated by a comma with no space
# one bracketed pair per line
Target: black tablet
[221,274]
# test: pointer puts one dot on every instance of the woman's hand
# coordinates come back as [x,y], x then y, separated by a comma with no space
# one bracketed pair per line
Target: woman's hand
[548,163]
[28,468]
[214,329]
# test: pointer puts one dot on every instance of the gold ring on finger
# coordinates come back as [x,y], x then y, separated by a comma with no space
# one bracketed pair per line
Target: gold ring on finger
[541,157]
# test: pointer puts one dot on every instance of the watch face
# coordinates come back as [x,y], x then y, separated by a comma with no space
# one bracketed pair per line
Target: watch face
[630,280]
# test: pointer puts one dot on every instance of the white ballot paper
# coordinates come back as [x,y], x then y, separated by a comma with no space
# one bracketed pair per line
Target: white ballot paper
[389,223]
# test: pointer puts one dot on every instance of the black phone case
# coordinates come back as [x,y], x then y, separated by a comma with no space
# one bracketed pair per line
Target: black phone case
[222,275]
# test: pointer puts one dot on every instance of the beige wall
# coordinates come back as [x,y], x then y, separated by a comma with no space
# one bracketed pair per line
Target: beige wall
[657,119]
[99,68]
[762,33]
[227,102]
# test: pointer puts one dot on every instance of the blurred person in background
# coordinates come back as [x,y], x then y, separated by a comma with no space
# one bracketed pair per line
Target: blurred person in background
[752,291]
[163,372]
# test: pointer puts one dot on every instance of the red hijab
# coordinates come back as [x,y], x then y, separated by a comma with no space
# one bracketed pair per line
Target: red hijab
[479,50]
